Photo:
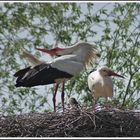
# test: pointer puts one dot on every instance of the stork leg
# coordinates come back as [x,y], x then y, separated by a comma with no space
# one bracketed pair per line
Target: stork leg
[62,95]
[54,97]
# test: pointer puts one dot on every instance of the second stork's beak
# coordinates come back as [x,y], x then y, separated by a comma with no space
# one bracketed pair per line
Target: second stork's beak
[112,73]
[52,52]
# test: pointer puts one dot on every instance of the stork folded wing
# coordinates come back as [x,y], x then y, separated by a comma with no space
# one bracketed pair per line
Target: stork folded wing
[42,74]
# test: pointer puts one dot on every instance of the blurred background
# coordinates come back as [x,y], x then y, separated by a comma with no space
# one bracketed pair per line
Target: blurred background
[115,27]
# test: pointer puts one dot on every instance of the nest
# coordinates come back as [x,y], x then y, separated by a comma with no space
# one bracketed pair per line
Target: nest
[73,123]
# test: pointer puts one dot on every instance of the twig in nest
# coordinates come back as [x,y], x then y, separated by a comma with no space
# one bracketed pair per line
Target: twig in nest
[75,105]
[93,120]
[74,121]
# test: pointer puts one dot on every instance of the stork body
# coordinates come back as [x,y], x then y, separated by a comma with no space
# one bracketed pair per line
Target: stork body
[100,83]
[71,62]
[33,61]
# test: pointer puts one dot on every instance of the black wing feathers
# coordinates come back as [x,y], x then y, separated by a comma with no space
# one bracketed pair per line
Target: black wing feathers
[22,71]
[42,74]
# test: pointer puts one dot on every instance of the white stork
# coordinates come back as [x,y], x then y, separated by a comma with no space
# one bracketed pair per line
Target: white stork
[100,83]
[71,62]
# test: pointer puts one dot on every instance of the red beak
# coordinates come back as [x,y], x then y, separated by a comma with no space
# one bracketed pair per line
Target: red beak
[112,73]
[52,52]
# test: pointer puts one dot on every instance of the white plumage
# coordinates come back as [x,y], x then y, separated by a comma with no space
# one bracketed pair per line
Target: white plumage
[100,82]
[71,61]
[68,64]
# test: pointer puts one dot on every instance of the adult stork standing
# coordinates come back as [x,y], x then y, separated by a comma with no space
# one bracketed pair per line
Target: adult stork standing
[71,62]
[100,83]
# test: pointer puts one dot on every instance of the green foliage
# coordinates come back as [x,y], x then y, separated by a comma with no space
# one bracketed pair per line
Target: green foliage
[114,27]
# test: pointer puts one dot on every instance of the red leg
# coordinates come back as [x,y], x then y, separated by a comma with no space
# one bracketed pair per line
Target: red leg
[62,95]
[54,97]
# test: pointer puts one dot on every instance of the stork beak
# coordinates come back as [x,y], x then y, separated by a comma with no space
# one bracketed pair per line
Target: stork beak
[112,73]
[52,52]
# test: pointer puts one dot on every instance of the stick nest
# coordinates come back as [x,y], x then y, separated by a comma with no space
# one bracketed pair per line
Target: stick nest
[73,123]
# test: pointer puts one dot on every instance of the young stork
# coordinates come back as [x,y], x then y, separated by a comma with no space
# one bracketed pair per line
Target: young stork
[71,62]
[100,83]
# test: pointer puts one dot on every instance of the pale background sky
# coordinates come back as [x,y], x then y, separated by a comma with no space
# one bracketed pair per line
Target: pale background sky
[44,90]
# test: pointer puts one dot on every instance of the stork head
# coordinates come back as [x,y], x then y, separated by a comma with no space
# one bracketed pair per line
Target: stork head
[53,52]
[105,71]
[81,48]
